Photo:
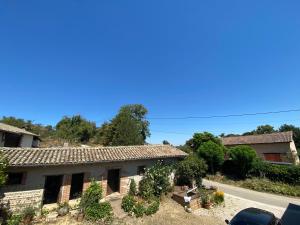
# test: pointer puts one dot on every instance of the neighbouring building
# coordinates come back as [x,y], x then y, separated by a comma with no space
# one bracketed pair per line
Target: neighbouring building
[276,147]
[39,176]
[11,136]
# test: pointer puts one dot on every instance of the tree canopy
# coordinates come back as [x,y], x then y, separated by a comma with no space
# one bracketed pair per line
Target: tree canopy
[213,154]
[200,138]
[75,129]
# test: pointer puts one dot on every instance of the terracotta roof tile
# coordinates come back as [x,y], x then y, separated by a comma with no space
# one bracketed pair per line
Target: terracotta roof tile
[75,155]
[280,137]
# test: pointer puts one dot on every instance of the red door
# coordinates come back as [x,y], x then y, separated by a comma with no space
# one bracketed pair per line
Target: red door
[274,157]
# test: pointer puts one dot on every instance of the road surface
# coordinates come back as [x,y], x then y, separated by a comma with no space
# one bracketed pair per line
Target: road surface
[265,198]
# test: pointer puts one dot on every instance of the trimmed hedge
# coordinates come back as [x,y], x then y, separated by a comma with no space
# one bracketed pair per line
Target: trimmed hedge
[289,174]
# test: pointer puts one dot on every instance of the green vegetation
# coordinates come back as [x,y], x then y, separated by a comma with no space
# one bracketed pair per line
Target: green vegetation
[281,173]
[128,203]
[75,129]
[3,166]
[132,188]
[242,158]
[200,138]
[191,168]
[213,154]
[260,184]
[128,127]
[156,181]
[91,196]
[92,209]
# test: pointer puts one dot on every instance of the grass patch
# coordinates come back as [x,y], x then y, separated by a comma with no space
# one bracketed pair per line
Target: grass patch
[257,184]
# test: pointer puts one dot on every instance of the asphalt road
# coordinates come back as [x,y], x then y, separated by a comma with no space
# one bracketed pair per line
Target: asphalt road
[266,198]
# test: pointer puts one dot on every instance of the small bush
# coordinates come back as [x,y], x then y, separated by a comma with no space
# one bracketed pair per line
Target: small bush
[98,211]
[91,196]
[28,214]
[152,208]
[132,187]
[138,209]
[14,220]
[128,203]
[146,188]
[218,197]
[191,168]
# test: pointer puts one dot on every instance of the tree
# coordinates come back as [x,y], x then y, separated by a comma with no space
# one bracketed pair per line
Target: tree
[75,129]
[128,127]
[296,132]
[243,158]
[213,154]
[200,138]
[104,134]
[165,142]
[262,129]
[191,168]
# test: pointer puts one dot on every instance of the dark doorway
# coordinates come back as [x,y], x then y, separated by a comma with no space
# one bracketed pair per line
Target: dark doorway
[113,181]
[76,185]
[52,189]
[12,140]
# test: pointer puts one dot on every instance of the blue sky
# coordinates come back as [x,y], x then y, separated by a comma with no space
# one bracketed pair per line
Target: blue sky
[178,58]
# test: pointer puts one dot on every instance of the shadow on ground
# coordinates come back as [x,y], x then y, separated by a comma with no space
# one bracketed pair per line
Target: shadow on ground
[291,215]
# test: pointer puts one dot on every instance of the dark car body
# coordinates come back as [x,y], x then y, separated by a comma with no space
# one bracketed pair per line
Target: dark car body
[254,216]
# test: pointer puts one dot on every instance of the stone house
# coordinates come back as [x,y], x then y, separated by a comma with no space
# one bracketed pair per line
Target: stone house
[276,147]
[11,136]
[41,176]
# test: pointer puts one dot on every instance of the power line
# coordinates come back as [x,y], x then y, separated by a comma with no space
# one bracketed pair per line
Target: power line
[223,116]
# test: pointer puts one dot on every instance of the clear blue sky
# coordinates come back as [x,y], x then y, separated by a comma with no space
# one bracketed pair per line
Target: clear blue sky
[178,58]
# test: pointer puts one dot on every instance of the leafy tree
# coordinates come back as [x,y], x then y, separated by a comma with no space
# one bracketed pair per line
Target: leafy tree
[296,132]
[191,168]
[213,154]
[165,142]
[76,129]
[262,129]
[185,148]
[129,127]
[200,138]
[243,158]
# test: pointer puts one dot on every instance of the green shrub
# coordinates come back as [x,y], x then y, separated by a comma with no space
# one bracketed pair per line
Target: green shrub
[98,211]
[243,159]
[266,185]
[155,181]
[91,196]
[191,168]
[14,220]
[127,203]
[213,154]
[146,188]
[152,208]
[28,213]
[138,209]
[132,187]
[289,174]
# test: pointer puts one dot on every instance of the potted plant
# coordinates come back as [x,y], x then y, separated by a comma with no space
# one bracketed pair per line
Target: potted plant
[205,201]
[63,209]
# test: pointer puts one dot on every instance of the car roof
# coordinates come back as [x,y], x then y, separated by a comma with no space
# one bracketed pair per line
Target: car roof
[256,216]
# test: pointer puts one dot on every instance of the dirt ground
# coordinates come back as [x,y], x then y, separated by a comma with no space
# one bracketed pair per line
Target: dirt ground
[170,213]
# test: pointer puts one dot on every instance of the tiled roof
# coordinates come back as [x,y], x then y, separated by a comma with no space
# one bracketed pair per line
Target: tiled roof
[280,137]
[16,130]
[75,155]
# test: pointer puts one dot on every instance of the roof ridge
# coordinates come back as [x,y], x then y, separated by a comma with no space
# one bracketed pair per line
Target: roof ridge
[251,135]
